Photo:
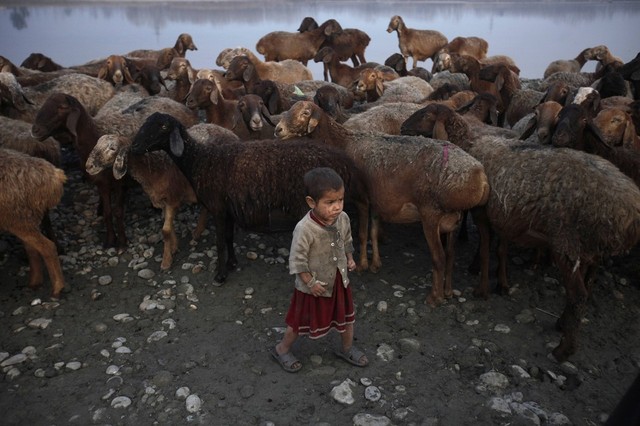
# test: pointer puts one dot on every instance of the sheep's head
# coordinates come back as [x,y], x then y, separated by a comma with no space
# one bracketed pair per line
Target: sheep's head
[442,62]
[8,66]
[597,53]
[184,43]
[253,110]
[240,69]
[369,80]
[326,54]
[616,127]
[428,121]
[159,132]
[575,129]
[115,70]
[40,62]
[395,24]
[397,62]
[180,68]
[202,94]
[58,115]
[307,24]
[328,98]
[300,120]
[109,150]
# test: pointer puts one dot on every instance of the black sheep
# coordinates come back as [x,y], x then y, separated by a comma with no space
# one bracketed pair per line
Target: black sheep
[244,182]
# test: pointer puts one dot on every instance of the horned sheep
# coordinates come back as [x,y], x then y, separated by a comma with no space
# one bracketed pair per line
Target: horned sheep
[441,182]
[594,211]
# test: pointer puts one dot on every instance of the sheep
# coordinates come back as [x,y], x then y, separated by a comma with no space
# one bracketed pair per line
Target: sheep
[419,44]
[115,71]
[204,94]
[242,183]
[183,43]
[161,180]
[184,75]
[63,117]
[281,45]
[604,57]
[40,62]
[256,120]
[150,78]
[287,71]
[472,46]
[575,129]
[30,188]
[458,79]
[276,96]
[397,62]
[403,89]
[333,102]
[580,207]
[629,71]
[340,73]
[410,179]
[524,101]
[617,128]
[567,65]
[542,122]
[350,43]
[454,61]
[384,118]
[90,91]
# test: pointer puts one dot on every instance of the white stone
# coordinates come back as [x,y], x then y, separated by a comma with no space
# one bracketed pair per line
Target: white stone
[170,323]
[120,317]
[382,306]
[499,404]
[156,336]
[193,403]
[146,274]
[105,280]
[16,359]
[365,381]
[36,302]
[385,352]
[105,353]
[372,393]
[183,392]
[112,369]
[524,412]
[366,419]
[494,379]
[343,393]
[12,373]
[558,419]
[518,371]
[502,328]
[120,402]
[40,323]
[123,350]
[73,365]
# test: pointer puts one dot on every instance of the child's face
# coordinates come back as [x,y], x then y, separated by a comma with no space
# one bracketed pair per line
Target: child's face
[329,206]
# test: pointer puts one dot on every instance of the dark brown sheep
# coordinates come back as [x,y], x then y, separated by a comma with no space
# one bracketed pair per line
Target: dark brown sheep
[472,46]
[410,179]
[579,206]
[183,43]
[241,183]
[40,62]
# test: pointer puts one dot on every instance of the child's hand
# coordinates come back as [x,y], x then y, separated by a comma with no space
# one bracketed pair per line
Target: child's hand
[318,288]
[351,265]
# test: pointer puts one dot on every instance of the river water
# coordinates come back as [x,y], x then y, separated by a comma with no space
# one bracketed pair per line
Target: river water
[532,33]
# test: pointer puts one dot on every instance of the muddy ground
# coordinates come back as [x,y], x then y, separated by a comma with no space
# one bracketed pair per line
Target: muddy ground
[132,345]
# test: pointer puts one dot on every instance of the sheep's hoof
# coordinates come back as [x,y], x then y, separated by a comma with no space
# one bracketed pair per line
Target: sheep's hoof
[434,301]
[375,267]
[562,352]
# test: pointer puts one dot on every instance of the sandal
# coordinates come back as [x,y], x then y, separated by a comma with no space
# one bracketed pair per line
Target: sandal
[353,356]
[286,361]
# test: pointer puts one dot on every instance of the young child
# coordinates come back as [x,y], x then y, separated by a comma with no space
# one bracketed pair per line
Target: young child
[321,253]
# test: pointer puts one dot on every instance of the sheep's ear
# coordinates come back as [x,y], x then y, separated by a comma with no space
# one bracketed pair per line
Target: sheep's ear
[213,97]
[72,121]
[102,72]
[127,76]
[176,143]
[594,132]
[266,115]
[465,108]
[531,126]
[499,82]
[120,164]
[439,132]
[629,136]
[248,72]
[493,116]
[274,100]
[379,86]
[314,120]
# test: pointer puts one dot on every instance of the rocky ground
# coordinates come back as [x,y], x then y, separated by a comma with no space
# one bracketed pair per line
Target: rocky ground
[132,345]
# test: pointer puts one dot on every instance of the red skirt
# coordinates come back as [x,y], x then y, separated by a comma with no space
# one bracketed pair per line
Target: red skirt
[316,316]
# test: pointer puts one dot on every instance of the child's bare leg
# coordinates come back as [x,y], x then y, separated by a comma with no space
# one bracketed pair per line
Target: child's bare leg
[347,343]
[285,344]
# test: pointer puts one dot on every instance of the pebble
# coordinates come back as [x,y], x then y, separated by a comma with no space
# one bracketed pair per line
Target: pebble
[382,306]
[502,328]
[385,352]
[372,393]
[105,280]
[494,379]
[193,403]
[343,393]
[16,359]
[121,402]
[73,365]
[123,350]
[146,274]
[156,336]
[112,369]
[366,419]
[182,393]
[366,381]
[41,323]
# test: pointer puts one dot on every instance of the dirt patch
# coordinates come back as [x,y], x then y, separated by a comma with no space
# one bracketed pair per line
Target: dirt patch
[124,344]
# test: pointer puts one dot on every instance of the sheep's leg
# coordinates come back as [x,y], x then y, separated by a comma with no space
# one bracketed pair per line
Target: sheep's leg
[450,255]
[119,216]
[376,262]
[202,223]
[326,71]
[232,260]
[463,234]
[354,59]
[575,307]
[105,198]
[169,238]
[47,230]
[39,248]
[363,234]
[438,258]
[481,220]
[503,246]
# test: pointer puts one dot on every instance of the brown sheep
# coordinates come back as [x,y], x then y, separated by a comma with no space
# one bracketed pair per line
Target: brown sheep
[410,179]
[567,65]
[419,44]
[604,57]
[287,71]
[524,101]
[542,122]
[280,45]
[115,71]
[617,128]
[341,74]
[40,62]
[472,46]
[397,62]
[581,208]
[183,43]
[30,188]
[333,102]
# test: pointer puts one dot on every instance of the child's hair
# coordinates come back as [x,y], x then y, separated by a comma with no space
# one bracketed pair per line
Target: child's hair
[320,180]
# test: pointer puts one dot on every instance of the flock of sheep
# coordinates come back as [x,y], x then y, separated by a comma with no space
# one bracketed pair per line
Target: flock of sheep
[554,165]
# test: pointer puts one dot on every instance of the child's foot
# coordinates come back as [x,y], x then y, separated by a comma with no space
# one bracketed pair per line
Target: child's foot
[287,361]
[353,356]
